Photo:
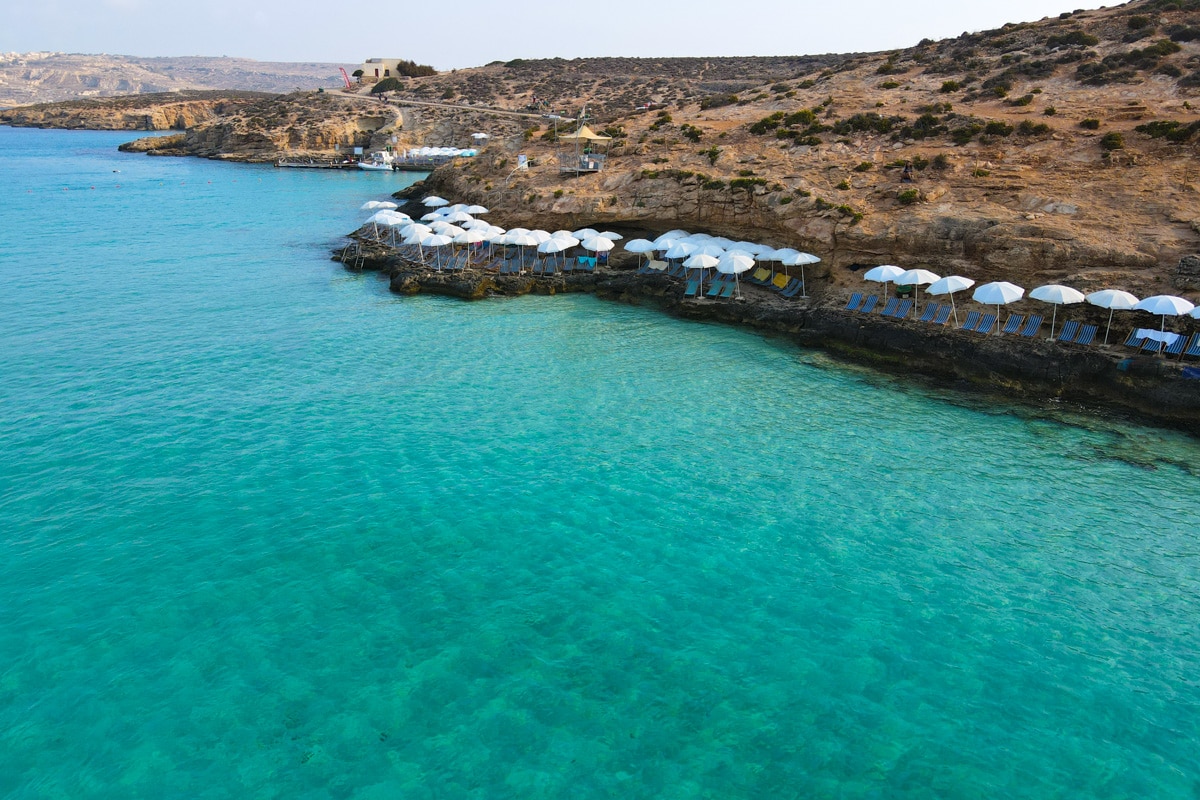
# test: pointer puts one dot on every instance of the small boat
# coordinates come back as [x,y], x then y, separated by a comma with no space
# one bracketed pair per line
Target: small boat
[378,162]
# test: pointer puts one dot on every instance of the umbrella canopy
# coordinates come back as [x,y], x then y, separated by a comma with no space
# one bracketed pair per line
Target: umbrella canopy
[553,245]
[1165,305]
[470,237]
[566,238]
[1058,295]
[639,246]
[949,285]
[616,237]
[585,233]
[916,277]
[541,235]
[439,241]
[701,261]
[445,228]
[477,224]
[735,263]
[375,205]
[476,210]
[458,216]
[998,293]
[521,239]
[884,273]
[711,249]
[598,244]
[671,234]
[433,201]
[432,215]
[680,250]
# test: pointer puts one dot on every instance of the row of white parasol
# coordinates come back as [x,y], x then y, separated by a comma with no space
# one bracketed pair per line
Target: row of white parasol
[704,251]
[1001,293]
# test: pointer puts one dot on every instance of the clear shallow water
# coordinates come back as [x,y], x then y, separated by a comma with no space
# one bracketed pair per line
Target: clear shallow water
[269,531]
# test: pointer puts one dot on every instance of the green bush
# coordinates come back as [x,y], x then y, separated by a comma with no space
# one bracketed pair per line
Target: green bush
[1170,130]
[783,201]
[718,101]
[713,153]
[997,128]
[908,197]
[387,85]
[966,133]
[1137,21]
[1027,128]
[865,166]
[1112,141]
[1023,101]
[889,85]
[940,162]
[691,132]
[747,184]
[1073,39]
[1050,111]
[950,86]
[844,185]
[1090,124]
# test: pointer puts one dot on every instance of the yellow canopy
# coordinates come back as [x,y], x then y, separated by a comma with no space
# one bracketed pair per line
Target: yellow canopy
[585,133]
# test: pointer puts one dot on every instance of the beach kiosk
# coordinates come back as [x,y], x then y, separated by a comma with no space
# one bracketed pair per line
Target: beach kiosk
[590,151]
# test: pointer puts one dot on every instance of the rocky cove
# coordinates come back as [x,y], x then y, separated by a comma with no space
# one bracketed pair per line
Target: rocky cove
[1045,374]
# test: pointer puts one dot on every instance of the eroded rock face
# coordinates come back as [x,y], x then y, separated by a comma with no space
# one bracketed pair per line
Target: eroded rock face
[1187,274]
[144,113]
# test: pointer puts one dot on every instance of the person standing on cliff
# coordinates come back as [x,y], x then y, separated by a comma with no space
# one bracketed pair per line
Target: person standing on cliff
[906,176]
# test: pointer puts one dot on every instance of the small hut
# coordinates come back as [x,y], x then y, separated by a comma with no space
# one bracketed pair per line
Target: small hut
[589,154]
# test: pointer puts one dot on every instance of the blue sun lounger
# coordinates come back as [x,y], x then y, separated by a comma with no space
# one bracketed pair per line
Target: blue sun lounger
[972,321]
[1193,349]
[793,289]
[1032,326]
[1176,347]
[890,306]
[1069,330]
[715,289]
[1014,323]
[869,304]
[727,292]
[693,286]
[854,302]
[902,310]
[943,314]
[1087,333]
[930,312]
[1135,339]
[986,323]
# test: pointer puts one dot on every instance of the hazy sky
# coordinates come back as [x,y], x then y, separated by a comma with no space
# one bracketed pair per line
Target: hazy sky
[464,33]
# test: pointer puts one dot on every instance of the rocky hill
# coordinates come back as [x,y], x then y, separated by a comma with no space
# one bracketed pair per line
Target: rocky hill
[49,77]
[1062,149]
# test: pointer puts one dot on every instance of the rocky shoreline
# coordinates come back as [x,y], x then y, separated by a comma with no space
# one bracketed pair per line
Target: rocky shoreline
[1109,378]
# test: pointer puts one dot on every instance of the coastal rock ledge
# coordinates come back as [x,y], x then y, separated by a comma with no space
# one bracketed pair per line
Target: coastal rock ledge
[1104,378]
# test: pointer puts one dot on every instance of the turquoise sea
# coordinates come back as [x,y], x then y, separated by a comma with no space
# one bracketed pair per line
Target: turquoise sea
[267,530]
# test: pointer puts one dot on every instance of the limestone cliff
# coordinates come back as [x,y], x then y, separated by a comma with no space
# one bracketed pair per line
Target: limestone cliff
[147,112]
